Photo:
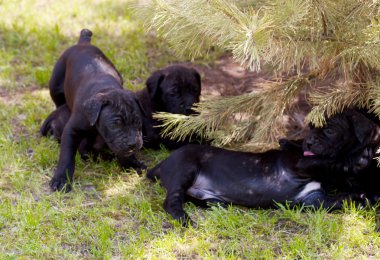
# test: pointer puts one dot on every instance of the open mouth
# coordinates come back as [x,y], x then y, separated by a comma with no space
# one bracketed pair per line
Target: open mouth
[308,153]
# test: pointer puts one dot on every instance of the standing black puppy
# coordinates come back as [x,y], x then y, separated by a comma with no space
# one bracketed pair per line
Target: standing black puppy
[173,89]
[89,85]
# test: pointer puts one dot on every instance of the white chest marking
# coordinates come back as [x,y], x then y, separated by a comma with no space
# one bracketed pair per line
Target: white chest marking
[311,186]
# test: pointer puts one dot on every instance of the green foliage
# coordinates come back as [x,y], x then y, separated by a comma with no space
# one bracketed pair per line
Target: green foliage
[238,116]
[330,44]
[114,213]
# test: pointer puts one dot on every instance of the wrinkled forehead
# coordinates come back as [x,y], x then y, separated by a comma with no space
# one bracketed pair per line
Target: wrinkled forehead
[338,122]
[124,108]
[179,85]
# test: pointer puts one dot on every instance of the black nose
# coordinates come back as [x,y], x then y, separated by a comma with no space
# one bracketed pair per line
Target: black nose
[309,142]
[131,146]
[189,110]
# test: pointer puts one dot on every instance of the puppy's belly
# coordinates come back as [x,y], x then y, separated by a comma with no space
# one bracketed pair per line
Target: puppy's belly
[257,192]
[203,189]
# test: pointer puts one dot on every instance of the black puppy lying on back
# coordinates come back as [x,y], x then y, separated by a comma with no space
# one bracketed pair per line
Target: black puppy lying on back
[88,85]
[255,179]
[173,89]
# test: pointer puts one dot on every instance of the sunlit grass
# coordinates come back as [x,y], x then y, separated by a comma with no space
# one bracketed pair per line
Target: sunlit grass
[115,213]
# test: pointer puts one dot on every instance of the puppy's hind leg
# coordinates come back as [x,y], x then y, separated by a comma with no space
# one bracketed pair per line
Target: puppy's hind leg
[318,199]
[56,82]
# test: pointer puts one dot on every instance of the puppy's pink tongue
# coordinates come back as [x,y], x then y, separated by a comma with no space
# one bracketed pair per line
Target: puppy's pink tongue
[308,153]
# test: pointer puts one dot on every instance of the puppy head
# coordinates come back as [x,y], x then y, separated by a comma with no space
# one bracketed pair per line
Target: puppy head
[117,118]
[343,134]
[174,89]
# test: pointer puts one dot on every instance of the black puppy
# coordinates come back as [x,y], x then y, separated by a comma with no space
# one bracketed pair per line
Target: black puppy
[173,89]
[260,179]
[89,85]
[212,174]
[349,140]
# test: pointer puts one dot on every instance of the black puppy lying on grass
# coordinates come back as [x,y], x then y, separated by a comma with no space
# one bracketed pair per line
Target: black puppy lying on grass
[90,87]
[352,153]
[258,180]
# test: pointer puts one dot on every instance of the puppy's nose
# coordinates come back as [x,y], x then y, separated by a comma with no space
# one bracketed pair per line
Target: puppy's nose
[309,142]
[189,110]
[131,147]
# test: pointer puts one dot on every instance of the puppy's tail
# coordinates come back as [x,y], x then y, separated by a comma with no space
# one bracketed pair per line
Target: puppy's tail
[46,127]
[85,36]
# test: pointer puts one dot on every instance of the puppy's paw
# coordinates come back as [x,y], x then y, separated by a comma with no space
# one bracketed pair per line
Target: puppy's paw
[140,168]
[60,184]
[363,160]
[132,162]
[359,161]
[185,221]
[290,145]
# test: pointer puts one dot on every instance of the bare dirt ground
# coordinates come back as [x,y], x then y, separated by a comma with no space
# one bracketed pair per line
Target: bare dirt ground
[227,78]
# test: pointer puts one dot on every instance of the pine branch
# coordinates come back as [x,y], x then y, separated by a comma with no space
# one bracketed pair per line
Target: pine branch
[235,119]
[282,33]
[326,104]
[329,39]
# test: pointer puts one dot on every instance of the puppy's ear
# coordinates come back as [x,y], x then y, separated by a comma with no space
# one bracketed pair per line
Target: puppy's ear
[363,127]
[92,108]
[140,106]
[198,77]
[153,83]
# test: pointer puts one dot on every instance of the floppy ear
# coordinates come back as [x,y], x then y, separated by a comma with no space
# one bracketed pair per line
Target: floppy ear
[92,108]
[140,106]
[198,77]
[153,83]
[363,127]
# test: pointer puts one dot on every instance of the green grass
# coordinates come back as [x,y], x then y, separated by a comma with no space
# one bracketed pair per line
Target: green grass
[113,213]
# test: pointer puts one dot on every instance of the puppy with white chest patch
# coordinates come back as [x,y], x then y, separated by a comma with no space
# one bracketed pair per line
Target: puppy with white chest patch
[298,173]
[259,180]
[348,142]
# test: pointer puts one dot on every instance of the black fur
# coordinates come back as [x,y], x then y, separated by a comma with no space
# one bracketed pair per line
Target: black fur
[85,83]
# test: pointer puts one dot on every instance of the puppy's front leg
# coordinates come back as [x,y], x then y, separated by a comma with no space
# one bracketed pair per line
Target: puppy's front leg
[173,204]
[176,186]
[63,175]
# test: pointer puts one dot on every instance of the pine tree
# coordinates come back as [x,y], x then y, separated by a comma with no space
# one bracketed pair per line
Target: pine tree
[308,41]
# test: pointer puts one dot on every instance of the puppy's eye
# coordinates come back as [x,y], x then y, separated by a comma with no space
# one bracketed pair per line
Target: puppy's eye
[329,132]
[117,121]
